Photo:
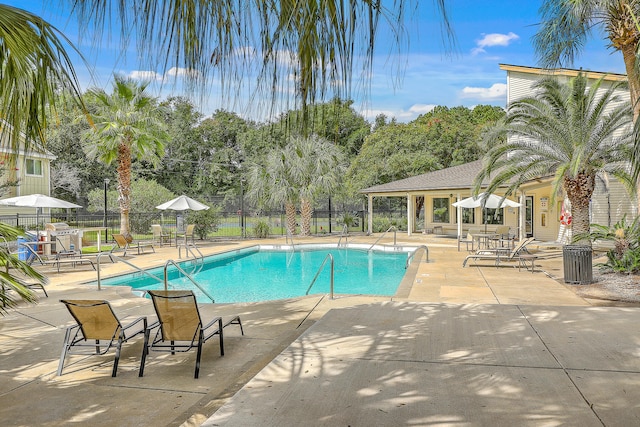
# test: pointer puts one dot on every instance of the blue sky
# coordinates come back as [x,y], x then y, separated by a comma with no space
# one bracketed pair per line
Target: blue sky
[488,33]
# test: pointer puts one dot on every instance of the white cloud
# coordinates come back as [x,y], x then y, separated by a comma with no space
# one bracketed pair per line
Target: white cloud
[421,108]
[145,75]
[496,91]
[178,71]
[400,115]
[494,39]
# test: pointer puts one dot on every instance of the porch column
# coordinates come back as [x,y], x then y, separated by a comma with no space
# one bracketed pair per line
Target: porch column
[459,217]
[410,214]
[522,212]
[369,214]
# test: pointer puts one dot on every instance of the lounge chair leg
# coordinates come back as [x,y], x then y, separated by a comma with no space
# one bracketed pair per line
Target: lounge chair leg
[65,348]
[221,329]
[145,350]
[117,359]
[200,341]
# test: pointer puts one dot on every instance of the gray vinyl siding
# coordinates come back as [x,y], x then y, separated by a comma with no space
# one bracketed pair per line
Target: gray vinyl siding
[608,207]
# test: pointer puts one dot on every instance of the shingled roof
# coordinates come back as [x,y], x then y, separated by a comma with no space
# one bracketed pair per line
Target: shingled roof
[455,177]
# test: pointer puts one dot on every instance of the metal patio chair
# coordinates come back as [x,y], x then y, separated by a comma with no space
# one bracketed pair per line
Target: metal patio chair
[180,327]
[97,330]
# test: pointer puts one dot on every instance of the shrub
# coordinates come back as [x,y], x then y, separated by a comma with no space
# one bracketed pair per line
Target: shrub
[625,255]
[261,228]
[205,221]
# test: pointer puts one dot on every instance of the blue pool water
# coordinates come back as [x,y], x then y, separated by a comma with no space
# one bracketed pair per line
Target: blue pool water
[261,275]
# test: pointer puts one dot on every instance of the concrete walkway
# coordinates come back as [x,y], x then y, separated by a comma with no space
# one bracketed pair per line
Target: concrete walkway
[472,346]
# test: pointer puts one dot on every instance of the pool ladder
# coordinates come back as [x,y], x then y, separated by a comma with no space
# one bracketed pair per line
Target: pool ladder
[411,255]
[145,272]
[187,275]
[112,256]
[330,258]
[190,248]
[345,234]
[394,228]
[290,236]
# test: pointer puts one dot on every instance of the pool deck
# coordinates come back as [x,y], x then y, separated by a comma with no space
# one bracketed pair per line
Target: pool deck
[460,346]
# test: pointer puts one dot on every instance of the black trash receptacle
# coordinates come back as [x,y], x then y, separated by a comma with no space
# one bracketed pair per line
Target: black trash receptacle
[577,260]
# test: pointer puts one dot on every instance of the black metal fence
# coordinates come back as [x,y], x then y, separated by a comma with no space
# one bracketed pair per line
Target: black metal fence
[234,223]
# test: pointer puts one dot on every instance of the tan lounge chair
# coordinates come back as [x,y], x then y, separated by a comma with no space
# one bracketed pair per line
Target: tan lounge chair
[57,261]
[180,327]
[97,327]
[123,245]
[499,255]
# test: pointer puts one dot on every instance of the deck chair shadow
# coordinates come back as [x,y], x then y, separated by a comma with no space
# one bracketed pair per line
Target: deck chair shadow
[97,329]
[180,327]
[499,255]
[57,261]
[123,245]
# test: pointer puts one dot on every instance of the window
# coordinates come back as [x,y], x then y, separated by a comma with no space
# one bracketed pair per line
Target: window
[493,216]
[468,216]
[34,167]
[441,209]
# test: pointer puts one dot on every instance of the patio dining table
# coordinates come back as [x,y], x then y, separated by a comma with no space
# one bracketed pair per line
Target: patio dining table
[483,239]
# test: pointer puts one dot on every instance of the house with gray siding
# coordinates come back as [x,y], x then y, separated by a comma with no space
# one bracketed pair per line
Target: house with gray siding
[538,216]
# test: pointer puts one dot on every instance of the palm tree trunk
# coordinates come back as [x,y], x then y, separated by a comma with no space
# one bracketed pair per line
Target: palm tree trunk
[306,212]
[124,188]
[579,191]
[290,213]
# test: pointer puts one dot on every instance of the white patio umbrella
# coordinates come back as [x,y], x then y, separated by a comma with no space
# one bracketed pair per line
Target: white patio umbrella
[490,201]
[38,201]
[182,203]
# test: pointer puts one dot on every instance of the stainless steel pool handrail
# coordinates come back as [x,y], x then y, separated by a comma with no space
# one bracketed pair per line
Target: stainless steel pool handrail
[166,281]
[112,256]
[290,236]
[187,250]
[330,257]
[394,228]
[426,250]
[345,234]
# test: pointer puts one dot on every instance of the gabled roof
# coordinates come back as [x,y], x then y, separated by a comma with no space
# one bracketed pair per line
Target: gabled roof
[454,177]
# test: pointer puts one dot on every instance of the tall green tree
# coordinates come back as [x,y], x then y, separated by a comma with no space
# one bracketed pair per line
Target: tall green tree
[566,26]
[567,131]
[297,174]
[316,167]
[128,125]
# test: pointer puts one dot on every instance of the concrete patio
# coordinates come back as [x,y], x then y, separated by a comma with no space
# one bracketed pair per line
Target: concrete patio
[472,346]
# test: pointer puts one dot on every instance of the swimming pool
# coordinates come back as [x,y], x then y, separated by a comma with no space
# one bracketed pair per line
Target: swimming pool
[263,273]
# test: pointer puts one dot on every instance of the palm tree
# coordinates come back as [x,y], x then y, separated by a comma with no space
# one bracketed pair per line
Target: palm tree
[271,185]
[566,25]
[568,131]
[319,43]
[297,173]
[128,125]
[17,280]
[34,66]
[317,167]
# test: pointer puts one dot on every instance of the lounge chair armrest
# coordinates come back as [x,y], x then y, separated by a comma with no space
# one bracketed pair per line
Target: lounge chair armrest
[209,332]
[210,324]
[142,319]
